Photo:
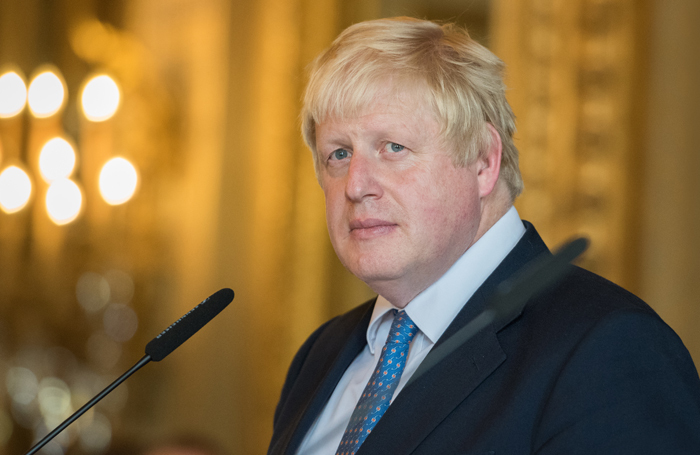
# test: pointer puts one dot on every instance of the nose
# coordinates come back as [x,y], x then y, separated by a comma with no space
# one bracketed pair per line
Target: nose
[362,179]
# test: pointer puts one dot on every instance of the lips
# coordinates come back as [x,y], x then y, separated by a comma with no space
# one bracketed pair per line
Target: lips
[369,223]
[370,227]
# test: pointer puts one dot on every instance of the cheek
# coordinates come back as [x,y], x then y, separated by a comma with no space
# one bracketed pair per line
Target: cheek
[451,204]
[334,210]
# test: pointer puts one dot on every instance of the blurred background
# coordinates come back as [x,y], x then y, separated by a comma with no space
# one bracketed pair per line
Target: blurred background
[150,154]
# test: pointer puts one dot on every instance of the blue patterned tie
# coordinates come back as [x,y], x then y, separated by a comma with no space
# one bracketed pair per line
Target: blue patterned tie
[377,395]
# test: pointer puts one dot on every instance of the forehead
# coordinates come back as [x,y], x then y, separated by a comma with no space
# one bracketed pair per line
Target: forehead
[354,97]
[390,101]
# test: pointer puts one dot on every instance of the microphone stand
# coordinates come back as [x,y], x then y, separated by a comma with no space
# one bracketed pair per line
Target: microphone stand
[156,350]
[144,360]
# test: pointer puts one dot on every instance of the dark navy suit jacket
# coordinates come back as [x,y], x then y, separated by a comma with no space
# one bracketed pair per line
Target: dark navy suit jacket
[585,368]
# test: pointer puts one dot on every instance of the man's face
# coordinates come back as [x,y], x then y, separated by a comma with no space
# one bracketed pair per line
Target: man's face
[399,212]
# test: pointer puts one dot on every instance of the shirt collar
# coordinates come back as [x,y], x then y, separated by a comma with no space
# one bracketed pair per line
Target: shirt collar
[434,309]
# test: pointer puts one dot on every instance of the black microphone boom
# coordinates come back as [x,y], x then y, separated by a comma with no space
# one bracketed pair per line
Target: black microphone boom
[157,349]
[172,337]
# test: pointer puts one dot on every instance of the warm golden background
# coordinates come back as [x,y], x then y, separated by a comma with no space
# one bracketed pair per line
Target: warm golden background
[607,102]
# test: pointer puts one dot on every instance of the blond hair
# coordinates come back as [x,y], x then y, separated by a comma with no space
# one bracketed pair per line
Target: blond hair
[460,78]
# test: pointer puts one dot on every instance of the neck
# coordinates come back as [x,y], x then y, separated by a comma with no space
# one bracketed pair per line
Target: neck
[494,207]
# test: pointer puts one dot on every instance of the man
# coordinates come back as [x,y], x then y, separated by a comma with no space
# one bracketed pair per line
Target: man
[412,140]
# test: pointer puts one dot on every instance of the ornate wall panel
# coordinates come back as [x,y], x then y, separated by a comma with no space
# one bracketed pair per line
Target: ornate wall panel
[571,69]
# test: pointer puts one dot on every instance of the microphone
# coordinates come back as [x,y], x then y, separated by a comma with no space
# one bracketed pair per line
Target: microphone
[157,349]
[182,329]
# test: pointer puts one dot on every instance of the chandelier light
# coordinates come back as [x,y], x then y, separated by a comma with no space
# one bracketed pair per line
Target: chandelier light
[56,159]
[118,180]
[15,189]
[63,201]
[46,94]
[13,94]
[100,98]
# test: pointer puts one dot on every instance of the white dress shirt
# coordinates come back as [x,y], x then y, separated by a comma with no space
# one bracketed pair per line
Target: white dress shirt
[432,311]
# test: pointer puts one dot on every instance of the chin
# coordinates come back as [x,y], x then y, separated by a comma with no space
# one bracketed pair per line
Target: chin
[374,271]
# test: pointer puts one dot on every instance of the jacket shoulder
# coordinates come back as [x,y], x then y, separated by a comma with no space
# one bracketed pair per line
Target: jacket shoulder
[616,367]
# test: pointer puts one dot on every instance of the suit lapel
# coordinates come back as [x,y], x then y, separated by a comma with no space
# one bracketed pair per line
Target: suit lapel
[418,409]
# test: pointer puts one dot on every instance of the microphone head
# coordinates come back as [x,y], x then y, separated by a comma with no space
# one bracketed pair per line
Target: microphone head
[182,329]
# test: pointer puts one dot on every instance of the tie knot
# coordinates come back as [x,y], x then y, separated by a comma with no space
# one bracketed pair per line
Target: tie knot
[402,329]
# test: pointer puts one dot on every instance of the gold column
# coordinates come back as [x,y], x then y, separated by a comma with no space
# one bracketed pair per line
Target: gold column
[288,240]
[273,156]
[185,67]
[572,68]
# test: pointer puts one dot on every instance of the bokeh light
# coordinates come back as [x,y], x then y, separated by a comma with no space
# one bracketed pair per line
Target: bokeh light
[96,435]
[118,180]
[13,94]
[120,322]
[22,385]
[15,189]
[54,398]
[46,94]
[56,159]
[63,201]
[92,291]
[100,98]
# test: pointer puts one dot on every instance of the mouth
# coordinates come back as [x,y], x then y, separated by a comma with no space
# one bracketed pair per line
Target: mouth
[370,227]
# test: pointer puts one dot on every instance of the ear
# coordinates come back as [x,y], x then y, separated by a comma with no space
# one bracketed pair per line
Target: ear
[489,163]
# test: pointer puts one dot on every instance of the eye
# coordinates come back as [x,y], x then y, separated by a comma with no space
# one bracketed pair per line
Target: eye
[339,154]
[394,147]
